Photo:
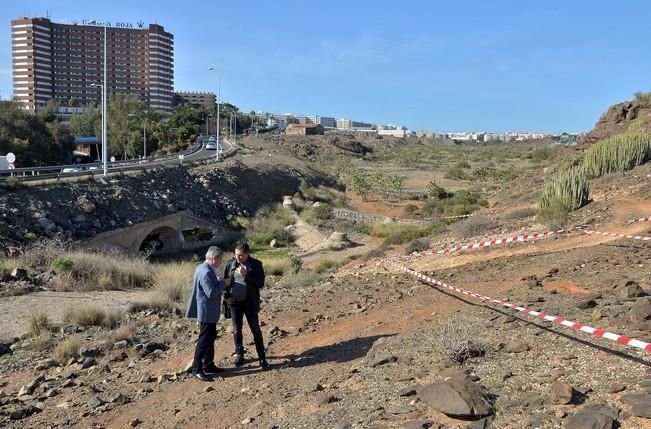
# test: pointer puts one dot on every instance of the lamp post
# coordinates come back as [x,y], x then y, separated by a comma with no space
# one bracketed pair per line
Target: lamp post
[219,84]
[104,142]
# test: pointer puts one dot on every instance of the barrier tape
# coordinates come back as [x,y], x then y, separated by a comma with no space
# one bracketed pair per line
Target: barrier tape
[577,326]
[613,234]
[490,243]
[640,220]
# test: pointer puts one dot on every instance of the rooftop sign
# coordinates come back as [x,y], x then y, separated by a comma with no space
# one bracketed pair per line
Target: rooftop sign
[96,23]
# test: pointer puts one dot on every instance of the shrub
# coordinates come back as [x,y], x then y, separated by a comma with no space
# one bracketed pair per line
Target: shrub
[436,191]
[554,216]
[113,318]
[269,223]
[410,209]
[519,213]
[86,315]
[323,211]
[418,245]
[567,189]
[455,173]
[327,265]
[617,154]
[300,279]
[361,228]
[173,280]
[30,236]
[472,226]
[278,266]
[456,339]
[38,323]
[41,342]
[11,184]
[124,332]
[67,350]
[61,263]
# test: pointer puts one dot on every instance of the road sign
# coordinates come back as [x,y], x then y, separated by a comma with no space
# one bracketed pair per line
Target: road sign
[112,159]
[11,166]
[181,157]
[11,157]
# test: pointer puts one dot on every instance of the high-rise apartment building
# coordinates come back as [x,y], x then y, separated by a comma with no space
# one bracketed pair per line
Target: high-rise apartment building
[65,62]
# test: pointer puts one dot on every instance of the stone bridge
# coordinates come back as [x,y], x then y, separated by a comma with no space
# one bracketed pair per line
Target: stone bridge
[167,234]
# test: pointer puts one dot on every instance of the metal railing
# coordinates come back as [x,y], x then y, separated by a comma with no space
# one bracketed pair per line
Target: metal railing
[28,174]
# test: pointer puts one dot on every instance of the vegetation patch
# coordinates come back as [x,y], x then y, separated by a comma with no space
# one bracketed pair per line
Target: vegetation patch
[617,154]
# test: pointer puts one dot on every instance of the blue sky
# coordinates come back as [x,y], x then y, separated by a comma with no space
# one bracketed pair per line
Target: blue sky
[459,65]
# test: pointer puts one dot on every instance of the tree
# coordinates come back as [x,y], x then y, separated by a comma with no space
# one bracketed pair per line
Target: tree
[125,130]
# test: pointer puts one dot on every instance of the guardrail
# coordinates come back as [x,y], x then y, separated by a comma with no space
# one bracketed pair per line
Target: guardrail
[57,171]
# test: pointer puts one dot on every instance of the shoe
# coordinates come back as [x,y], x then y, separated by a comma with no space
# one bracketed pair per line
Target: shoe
[212,369]
[265,365]
[239,360]
[201,376]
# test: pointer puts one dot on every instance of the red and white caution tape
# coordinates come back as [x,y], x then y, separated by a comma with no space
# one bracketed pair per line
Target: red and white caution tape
[639,220]
[491,243]
[614,234]
[550,318]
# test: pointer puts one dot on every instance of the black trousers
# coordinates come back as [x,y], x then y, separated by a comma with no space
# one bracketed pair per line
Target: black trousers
[204,353]
[238,311]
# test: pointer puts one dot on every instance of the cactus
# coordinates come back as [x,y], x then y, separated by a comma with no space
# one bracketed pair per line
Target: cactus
[567,188]
[617,154]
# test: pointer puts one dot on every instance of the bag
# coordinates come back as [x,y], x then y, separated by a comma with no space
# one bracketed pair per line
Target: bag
[226,310]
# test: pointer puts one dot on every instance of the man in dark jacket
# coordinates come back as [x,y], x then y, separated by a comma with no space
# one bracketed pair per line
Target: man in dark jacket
[204,305]
[245,276]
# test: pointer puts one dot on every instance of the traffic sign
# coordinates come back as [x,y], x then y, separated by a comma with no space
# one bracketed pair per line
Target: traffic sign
[11,157]
[11,166]
[112,159]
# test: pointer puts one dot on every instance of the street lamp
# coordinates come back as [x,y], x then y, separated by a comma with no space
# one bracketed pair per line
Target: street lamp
[104,142]
[219,85]
[104,87]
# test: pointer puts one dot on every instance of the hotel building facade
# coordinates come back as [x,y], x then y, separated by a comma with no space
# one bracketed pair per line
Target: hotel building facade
[65,62]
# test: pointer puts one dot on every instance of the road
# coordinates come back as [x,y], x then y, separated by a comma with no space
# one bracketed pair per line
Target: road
[194,154]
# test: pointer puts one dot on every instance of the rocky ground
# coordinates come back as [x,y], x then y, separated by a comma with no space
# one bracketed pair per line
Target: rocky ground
[370,347]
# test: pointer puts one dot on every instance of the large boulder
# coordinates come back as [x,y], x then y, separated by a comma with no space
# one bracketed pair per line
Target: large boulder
[458,397]
[641,310]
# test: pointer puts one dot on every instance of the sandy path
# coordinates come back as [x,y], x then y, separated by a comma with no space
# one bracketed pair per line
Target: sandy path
[16,310]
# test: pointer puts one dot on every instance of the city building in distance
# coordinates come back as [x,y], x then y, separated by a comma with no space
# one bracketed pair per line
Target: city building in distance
[63,61]
[205,99]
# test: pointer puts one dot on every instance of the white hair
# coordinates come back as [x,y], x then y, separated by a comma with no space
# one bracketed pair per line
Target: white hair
[214,252]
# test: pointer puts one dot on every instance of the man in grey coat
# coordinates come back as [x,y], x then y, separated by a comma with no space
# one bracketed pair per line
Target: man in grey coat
[204,305]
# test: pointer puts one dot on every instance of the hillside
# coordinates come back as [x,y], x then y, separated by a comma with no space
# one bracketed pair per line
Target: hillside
[361,343]
[620,118]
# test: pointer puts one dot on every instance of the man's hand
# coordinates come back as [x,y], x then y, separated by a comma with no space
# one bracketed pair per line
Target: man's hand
[230,301]
[242,270]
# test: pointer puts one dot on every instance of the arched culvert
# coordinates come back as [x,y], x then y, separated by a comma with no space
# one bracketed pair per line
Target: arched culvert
[162,240]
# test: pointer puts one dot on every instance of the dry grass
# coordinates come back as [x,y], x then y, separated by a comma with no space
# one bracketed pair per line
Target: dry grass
[38,323]
[173,280]
[301,279]
[67,349]
[472,226]
[124,332]
[519,213]
[64,282]
[92,315]
[279,266]
[455,338]
[42,342]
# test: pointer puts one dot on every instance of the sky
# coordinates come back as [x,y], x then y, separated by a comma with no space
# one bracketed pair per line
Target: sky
[463,65]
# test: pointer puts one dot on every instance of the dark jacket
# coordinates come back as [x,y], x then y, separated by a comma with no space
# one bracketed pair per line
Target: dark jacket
[254,281]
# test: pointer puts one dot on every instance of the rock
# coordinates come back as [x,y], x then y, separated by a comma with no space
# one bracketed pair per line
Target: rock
[408,391]
[2,394]
[22,412]
[5,349]
[135,422]
[325,399]
[87,363]
[119,399]
[247,421]
[631,290]
[516,347]
[19,274]
[561,393]
[88,207]
[51,393]
[208,389]
[400,410]
[417,424]
[641,310]
[560,414]
[585,304]
[149,348]
[343,425]
[123,344]
[91,352]
[79,219]
[45,364]
[589,420]
[95,402]
[617,387]
[273,243]
[64,405]
[382,359]
[188,366]
[457,397]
